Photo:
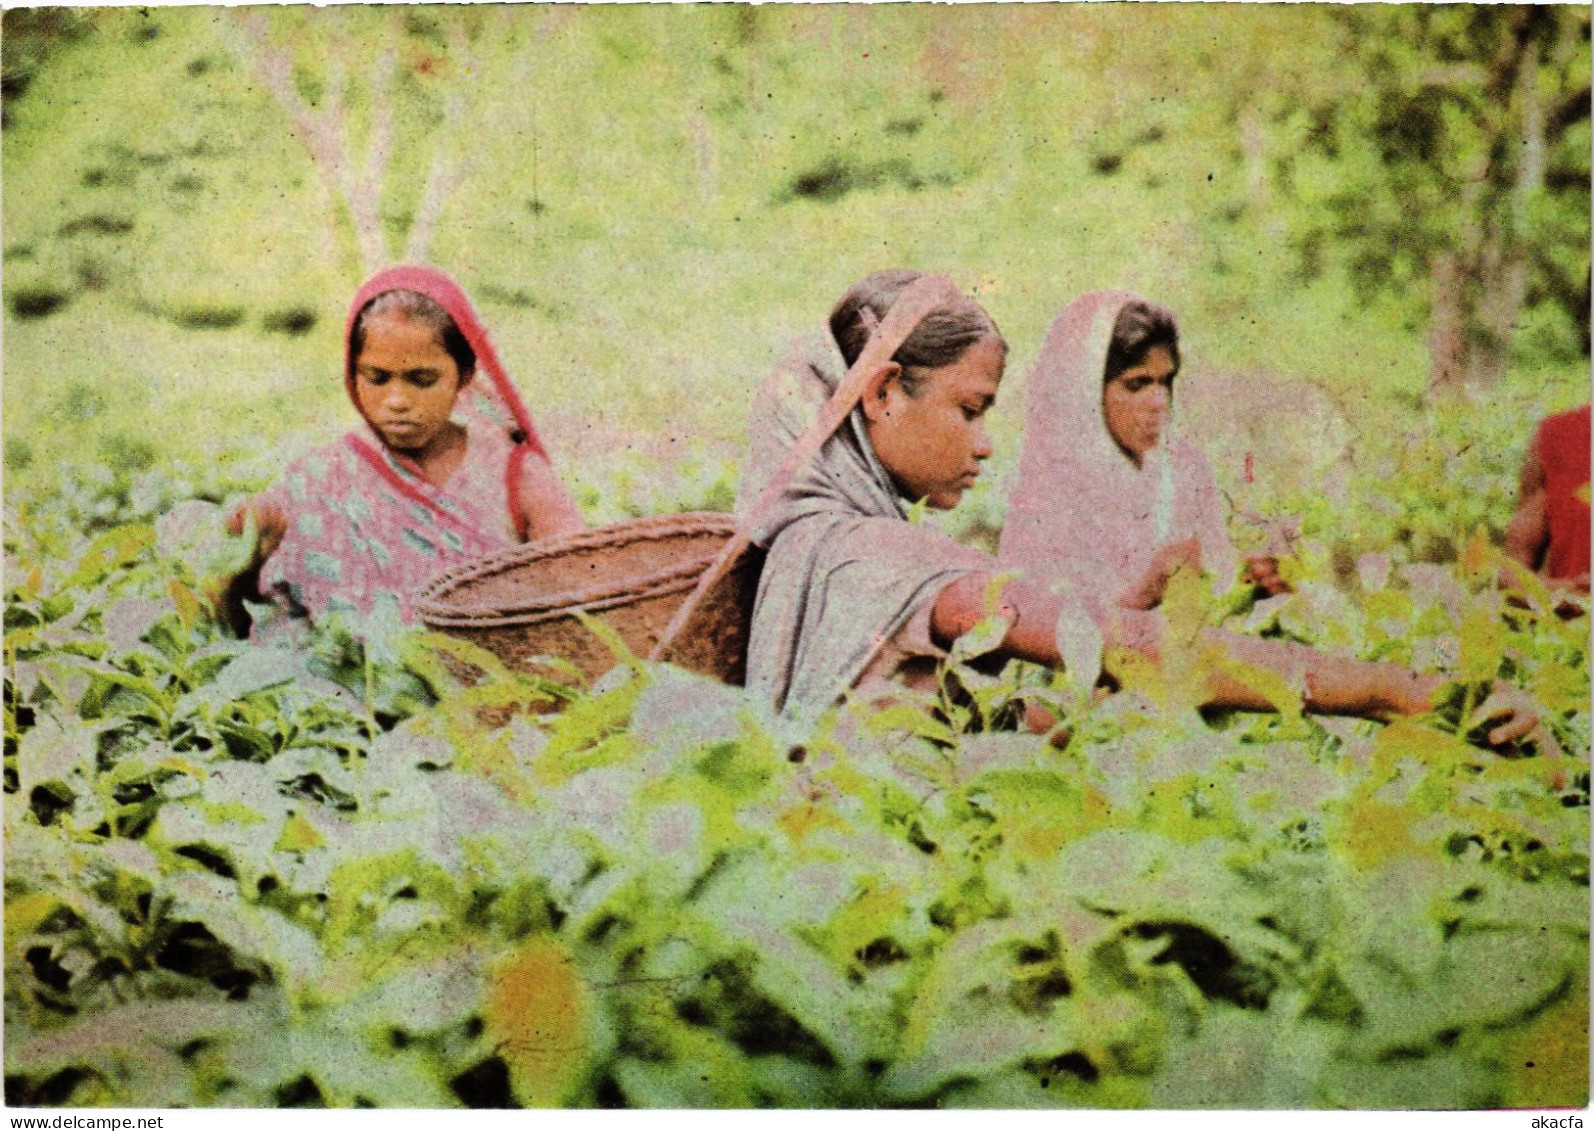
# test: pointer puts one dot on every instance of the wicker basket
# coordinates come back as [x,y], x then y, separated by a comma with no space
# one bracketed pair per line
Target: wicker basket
[520,604]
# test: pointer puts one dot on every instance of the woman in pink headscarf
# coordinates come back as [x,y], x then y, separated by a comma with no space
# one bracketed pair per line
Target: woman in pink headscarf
[1109,497]
[445,466]
[1111,502]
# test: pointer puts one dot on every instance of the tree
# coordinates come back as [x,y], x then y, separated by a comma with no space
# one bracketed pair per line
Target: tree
[323,124]
[1455,167]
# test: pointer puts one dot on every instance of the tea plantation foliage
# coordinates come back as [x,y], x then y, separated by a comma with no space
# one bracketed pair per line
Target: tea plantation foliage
[240,874]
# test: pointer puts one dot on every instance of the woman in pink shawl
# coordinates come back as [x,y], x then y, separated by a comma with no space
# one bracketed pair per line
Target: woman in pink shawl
[1109,496]
[445,466]
[852,593]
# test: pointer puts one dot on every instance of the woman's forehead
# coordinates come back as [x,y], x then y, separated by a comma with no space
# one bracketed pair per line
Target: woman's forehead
[1157,364]
[401,342]
[978,371]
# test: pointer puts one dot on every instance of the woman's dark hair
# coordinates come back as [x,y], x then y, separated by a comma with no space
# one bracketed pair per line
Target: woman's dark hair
[942,338]
[426,311]
[1140,328]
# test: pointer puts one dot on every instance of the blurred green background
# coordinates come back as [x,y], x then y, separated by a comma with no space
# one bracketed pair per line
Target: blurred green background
[1373,222]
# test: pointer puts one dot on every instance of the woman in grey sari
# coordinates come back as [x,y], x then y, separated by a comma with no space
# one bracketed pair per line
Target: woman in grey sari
[849,583]
[852,593]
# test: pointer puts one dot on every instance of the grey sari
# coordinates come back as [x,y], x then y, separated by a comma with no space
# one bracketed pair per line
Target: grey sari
[845,569]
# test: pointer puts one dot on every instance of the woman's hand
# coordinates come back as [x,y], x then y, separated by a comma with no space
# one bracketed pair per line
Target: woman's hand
[228,594]
[1514,715]
[271,526]
[1164,564]
[1262,571]
[1518,715]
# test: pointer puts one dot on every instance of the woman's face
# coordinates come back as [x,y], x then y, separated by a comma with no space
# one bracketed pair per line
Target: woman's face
[933,443]
[1136,403]
[405,382]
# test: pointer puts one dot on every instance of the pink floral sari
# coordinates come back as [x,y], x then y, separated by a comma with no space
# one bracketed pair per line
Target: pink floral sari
[363,521]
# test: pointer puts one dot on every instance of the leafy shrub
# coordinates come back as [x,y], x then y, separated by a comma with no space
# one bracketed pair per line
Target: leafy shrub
[243,874]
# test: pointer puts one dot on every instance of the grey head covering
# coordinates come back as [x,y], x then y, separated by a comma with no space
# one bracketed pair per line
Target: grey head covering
[845,570]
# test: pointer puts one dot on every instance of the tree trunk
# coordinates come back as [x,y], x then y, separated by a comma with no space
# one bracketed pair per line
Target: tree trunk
[1446,340]
[1502,281]
[1478,290]
[706,156]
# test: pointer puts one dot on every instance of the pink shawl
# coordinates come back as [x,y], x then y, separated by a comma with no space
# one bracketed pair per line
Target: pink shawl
[1080,509]
[363,520]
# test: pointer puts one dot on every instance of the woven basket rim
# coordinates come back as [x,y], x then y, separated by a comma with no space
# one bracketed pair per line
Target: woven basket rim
[435,610]
[525,617]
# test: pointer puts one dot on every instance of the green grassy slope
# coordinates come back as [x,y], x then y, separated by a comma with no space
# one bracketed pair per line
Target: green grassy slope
[651,201]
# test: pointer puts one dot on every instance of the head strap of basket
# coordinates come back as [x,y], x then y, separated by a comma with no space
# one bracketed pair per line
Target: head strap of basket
[917,301]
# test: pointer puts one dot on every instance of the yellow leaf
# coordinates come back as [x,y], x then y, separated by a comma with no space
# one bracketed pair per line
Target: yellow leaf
[1370,833]
[1546,1063]
[1581,494]
[1135,673]
[24,915]
[1388,605]
[611,639]
[1477,560]
[1185,601]
[1039,812]
[1483,638]
[227,813]
[800,820]
[1185,657]
[489,755]
[1189,809]
[183,766]
[911,718]
[298,835]
[870,916]
[187,603]
[1271,686]
[537,1017]
[1560,687]
[927,1006]
[1436,749]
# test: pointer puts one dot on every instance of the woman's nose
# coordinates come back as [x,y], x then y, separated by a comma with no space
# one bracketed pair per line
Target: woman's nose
[982,442]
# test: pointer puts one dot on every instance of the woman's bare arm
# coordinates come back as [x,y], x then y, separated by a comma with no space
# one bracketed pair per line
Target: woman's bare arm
[1529,531]
[545,501]
[1168,560]
[1330,685]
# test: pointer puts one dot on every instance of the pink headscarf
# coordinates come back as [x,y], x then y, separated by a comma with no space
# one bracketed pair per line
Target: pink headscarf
[1080,509]
[364,521]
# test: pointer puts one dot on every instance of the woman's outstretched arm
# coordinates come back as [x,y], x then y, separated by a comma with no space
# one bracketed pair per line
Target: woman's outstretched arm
[1529,531]
[1331,685]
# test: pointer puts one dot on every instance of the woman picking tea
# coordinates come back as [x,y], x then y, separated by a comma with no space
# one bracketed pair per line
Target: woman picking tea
[445,466]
